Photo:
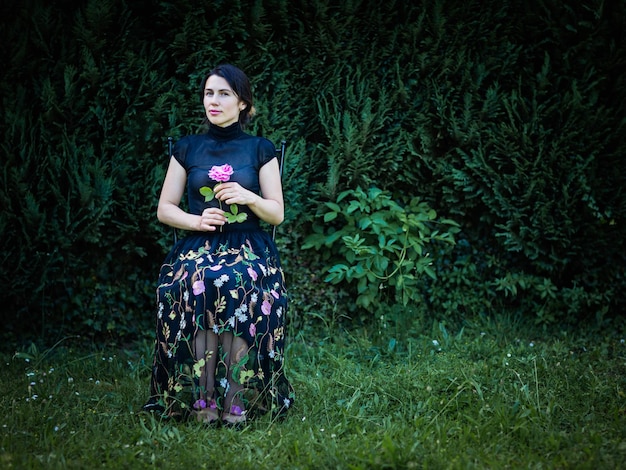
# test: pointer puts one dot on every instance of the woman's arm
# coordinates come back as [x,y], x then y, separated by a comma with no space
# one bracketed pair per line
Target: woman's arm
[269,207]
[169,211]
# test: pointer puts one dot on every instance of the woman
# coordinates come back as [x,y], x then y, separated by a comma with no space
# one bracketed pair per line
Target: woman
[221,298]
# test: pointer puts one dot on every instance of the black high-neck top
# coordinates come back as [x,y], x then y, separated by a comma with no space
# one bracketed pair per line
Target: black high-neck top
[219,146]
[225,133]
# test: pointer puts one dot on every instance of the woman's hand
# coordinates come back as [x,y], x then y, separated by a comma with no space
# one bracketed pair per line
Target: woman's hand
[211,218]
[269,208]
[234,193]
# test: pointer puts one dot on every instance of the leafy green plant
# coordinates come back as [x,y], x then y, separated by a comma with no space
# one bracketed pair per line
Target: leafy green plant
[377,243]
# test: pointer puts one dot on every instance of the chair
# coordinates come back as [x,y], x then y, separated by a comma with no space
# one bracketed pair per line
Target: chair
[280,154]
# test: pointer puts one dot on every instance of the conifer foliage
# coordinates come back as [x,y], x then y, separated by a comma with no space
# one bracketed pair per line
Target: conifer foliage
[506,117]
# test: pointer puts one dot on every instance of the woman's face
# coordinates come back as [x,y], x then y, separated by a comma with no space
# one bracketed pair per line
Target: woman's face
[221,104]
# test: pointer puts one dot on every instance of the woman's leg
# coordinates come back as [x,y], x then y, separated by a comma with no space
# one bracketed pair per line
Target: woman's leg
[205,346]
[235,349]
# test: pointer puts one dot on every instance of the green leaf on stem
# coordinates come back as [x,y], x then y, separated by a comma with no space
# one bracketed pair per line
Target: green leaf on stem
[208,193]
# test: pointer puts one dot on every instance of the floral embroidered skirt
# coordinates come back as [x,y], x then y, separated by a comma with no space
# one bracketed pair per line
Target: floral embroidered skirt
[229,287]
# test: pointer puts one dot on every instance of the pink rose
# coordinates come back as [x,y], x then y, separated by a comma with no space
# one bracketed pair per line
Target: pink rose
[221,173]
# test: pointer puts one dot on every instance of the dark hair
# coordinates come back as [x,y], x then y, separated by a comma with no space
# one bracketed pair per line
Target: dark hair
[240,85]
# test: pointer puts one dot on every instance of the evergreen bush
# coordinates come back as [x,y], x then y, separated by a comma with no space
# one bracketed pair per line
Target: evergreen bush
[506,117]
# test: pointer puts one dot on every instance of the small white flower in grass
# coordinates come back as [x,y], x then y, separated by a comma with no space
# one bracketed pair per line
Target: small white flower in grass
[70,380]
[287,402]
[435,343]
[531,344]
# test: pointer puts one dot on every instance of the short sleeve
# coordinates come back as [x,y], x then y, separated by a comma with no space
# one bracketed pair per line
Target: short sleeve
[179,152]
[267,151]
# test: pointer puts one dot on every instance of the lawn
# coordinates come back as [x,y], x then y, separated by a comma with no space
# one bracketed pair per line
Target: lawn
[489,394]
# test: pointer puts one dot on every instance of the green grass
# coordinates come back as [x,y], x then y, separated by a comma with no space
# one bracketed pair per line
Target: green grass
[484,396]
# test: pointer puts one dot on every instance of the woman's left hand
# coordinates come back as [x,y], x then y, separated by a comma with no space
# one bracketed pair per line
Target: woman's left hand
[234,193]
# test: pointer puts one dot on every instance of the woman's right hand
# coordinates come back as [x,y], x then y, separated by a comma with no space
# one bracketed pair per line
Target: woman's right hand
[211,219]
